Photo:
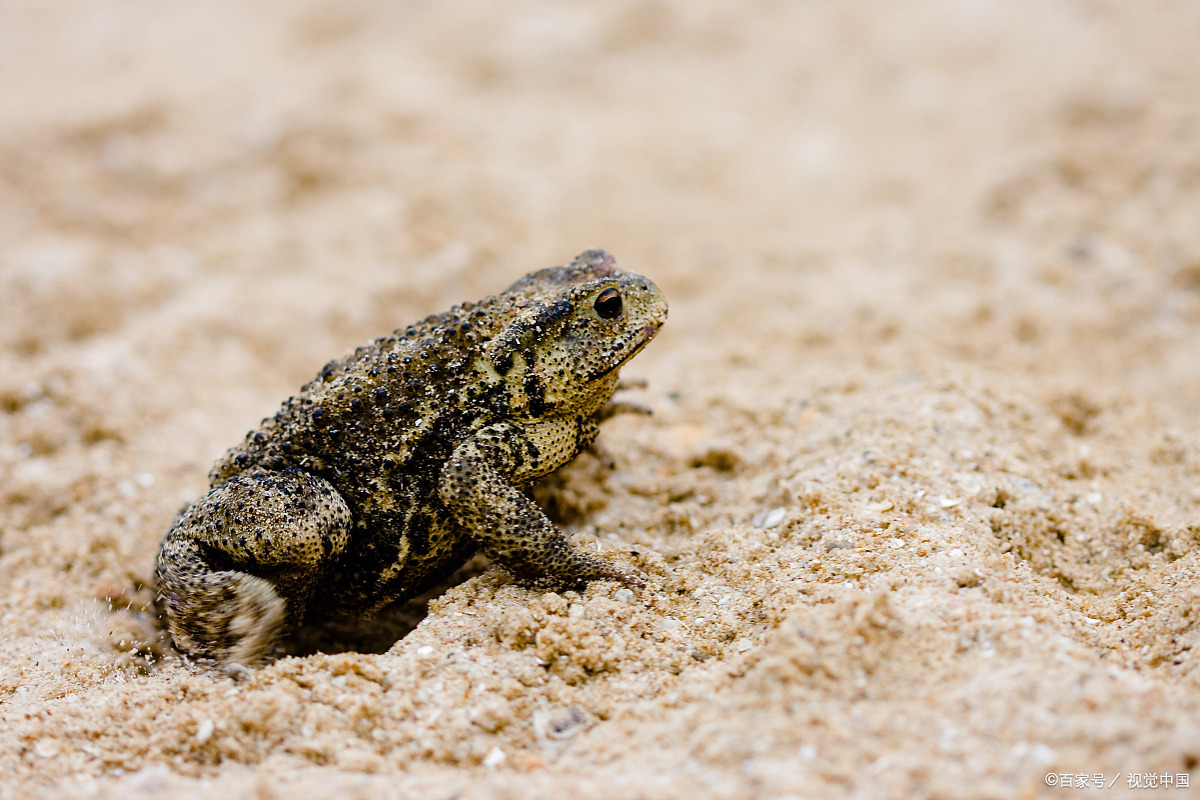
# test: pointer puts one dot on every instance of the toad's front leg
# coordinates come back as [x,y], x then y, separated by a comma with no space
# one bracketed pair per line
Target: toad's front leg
[478,487]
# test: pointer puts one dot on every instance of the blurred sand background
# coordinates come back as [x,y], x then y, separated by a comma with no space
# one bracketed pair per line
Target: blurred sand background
[919,497]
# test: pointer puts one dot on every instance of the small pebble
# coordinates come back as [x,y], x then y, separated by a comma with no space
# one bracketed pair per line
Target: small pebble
[623,596]
[204,731]
[151,781]
[494,758]
[1044,754]
[561,724]
[769,519]
[424,649]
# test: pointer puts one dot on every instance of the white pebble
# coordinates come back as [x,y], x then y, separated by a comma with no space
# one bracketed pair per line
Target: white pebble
[494,758]
[424,649]
[152,781]
[204,730]
[623,596]
[774,517]
[1044,754]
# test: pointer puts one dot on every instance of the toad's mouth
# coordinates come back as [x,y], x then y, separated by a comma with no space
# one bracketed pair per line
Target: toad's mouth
[647,333]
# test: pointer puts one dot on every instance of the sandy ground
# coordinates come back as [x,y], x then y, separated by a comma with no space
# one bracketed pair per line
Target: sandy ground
[919,499]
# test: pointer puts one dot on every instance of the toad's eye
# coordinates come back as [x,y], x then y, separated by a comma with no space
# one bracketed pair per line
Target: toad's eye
[608,304]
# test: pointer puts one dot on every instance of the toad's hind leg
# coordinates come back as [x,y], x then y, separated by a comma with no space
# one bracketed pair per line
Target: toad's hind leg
[241,563]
